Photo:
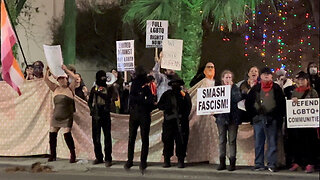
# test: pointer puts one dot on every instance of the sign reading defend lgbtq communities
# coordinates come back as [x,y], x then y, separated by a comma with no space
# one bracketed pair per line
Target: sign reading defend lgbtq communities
[213,100]
[172,54]
[156,32]
[125,55]
[303,114]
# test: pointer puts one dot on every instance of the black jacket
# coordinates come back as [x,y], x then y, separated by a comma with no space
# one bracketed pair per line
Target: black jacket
[234,115]
[183,105]
[140,97]
[277,113]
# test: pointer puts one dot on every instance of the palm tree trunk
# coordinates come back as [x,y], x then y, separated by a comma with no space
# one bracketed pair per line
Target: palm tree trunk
[190,30]
[69,45]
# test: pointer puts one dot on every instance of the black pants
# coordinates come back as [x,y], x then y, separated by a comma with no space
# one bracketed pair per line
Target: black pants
[102,121]
[304,145]
[142,119]
[171,135]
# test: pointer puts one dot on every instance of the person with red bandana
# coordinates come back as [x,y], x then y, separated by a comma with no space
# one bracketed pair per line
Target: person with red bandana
[304,140]
[265,105]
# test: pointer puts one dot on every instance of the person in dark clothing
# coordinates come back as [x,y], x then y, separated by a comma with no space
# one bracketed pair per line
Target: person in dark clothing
[81,89]
[176,105]
[228,124]
[141,103]
[198,77]
[312,71]
[99,103]
[304,141]
[265,105]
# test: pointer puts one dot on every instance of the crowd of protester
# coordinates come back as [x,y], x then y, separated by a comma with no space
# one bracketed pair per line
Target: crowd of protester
[258,100]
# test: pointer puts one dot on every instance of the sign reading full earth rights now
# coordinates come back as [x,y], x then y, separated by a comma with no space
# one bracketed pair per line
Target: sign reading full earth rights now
[303,114]
[156,32]
[125,55]
[213,100]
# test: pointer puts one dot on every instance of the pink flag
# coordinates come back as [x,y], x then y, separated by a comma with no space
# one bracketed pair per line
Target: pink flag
[11,71]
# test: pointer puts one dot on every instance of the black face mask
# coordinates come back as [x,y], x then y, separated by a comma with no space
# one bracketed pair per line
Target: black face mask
[38,71]
[176,88]
[101,78]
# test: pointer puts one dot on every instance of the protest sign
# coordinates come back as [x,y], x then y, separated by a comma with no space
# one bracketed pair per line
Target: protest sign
[172,54]
[303,114]
[54,59]
[156,32]
[125,55]
[213,100]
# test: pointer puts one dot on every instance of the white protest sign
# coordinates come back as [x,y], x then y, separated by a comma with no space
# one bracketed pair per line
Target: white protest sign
[172,54]
[125,55]
[303,114]
[156,32]
[54,59]
[213,100]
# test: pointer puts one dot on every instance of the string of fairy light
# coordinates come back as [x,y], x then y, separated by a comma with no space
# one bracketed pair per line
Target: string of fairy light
[271,34]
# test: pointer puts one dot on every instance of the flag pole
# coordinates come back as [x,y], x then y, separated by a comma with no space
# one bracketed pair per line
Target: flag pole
[14,29]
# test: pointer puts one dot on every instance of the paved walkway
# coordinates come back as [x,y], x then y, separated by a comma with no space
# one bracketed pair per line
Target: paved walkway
[154,170]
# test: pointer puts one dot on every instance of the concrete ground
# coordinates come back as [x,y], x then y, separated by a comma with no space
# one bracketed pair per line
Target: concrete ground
[20,168]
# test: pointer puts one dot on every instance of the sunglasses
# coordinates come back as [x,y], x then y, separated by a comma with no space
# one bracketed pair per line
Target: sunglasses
[210,67]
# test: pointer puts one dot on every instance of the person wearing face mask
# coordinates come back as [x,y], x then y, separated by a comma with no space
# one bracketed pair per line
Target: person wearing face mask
[228,124]
[304,142]
[64,107]
[99,103]
[162,79]
[265,105]
[38,69]
[176,105]
[141,103]
[314,77]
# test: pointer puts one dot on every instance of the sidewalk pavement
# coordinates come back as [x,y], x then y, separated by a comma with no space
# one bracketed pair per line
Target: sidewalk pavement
[204,170]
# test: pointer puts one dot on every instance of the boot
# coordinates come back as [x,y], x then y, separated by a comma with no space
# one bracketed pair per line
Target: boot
[232,166]
[53,146]
[167,162]
[69,140]
[181,163]
[222,164]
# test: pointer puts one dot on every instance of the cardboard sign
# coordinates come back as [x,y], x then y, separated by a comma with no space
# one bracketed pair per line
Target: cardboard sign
[213,100]
[54,59]
[303,114]
[125,55]
[156,32]
[172,54]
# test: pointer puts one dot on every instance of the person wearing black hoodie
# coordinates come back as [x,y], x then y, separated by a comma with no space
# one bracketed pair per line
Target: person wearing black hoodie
[99,103]
[176,105]
[141,103]
[312,71]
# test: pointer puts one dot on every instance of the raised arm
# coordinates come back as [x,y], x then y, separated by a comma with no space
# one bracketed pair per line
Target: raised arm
[70,74]
[52,86]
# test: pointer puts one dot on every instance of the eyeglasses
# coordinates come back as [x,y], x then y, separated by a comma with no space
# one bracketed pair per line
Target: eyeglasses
[210,67]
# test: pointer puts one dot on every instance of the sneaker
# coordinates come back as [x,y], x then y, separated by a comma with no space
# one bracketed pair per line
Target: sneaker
[309,169]
[294,167]
[128,165]
[108,163]
[258,168]
[97,161]
[143,166]
[272,169]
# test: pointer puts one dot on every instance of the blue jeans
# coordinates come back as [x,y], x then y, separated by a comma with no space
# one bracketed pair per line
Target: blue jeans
[261,132]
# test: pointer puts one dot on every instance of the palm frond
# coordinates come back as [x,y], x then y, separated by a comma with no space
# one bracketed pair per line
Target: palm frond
[227,12]
[142,10]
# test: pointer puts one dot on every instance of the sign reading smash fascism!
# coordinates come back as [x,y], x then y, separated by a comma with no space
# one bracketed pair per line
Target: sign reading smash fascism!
[213,100]
[156,32]
[125,55]
[303,114]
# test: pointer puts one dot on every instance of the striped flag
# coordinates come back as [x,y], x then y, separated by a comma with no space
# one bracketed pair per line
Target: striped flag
[11,71]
